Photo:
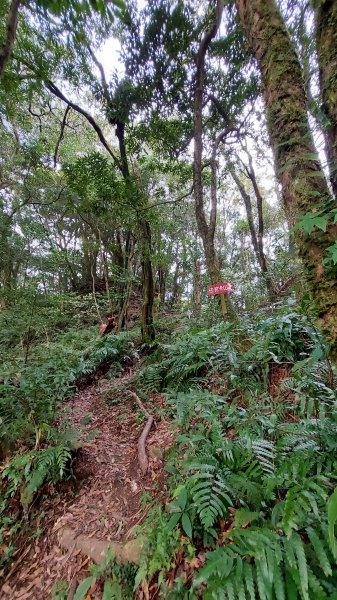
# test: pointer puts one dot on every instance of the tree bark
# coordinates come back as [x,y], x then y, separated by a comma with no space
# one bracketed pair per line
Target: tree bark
[162,275]
[206,230]
[11,26]
[256,236]
[147,326]
[304,187]
[326,40]
[175,285]
[197,289]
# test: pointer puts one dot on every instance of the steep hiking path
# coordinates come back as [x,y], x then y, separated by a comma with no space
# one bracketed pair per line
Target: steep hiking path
[105,499]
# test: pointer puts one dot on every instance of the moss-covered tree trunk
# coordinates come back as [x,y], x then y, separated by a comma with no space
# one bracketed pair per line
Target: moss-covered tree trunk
[326,39]
[304,187]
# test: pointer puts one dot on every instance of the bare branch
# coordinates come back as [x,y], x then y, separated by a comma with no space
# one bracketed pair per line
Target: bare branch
[102,73]
[57,92]
[60,138]
[176,200]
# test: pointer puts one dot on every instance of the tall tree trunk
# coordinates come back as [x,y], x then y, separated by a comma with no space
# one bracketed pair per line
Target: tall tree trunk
[162,274]
[197,289]
[11,25]
[206,230]
[147,326]
[175,285]
[256,236]
[326,39]
[297,166]
[123,313]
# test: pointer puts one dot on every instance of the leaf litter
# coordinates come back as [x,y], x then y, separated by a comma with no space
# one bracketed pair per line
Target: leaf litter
[101,501]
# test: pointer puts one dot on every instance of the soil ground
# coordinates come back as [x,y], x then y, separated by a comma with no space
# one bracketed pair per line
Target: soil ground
[105,498]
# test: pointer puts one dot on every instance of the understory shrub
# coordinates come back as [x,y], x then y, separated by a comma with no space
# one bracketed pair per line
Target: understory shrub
[35,451]
[254,486]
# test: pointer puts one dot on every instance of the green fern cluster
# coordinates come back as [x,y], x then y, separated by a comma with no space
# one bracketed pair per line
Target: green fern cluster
[182,364]
[257,563]
[256,472]
[29,471]
[108,349]
[276,473]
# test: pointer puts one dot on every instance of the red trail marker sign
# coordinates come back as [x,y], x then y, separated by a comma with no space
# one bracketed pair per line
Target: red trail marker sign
[219,288]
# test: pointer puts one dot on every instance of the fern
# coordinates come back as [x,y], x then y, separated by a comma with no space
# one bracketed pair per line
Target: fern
[259,564]
[209,492]
[258,472]
[31,470]
[150,378]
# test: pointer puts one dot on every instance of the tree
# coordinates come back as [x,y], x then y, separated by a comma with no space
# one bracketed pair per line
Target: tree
[206,230]
[304,187]
[326,40]
[257,234]
[11,25]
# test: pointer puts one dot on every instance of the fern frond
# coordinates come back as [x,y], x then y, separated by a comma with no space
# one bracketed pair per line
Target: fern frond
[249,580]
[320,552]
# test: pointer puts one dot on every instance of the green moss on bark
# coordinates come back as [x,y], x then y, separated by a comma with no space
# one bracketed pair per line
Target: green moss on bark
[326,39]
[304,187]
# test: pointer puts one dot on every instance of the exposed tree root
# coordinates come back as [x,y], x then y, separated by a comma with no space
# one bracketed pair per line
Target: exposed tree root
[139,402]
[142,456]
[96,549]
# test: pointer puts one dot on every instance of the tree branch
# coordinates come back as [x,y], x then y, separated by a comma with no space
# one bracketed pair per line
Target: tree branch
[198,106]
[11,26]
[102,73]
[180,199]
[57,92]
[213,163]
[60,138]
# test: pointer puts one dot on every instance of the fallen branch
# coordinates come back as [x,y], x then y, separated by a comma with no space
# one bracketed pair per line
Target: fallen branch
[96,549]
[142,456]
[140,403]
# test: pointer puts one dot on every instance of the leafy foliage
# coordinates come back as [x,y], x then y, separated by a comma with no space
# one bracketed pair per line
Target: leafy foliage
[30,470]
[32,388]
[256,475]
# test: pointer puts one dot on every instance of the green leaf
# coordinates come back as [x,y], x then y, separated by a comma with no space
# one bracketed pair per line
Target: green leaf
[186,524]
[302,565]
[173,521]
[111,590]
[332,254]
[332,518]
[83,588]
[120,4]
[320,552]
[182,498]
[311,220]
[171,469]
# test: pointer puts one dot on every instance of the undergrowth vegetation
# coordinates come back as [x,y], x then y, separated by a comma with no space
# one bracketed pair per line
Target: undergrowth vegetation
[254,472]
[34,380]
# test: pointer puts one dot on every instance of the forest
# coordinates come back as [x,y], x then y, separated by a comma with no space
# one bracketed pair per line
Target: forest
[168,299]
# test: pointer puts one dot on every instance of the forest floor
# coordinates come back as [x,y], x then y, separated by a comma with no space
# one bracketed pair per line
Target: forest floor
[107,497]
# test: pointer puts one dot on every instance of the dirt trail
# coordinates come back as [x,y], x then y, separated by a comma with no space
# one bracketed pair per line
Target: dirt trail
[104,501]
